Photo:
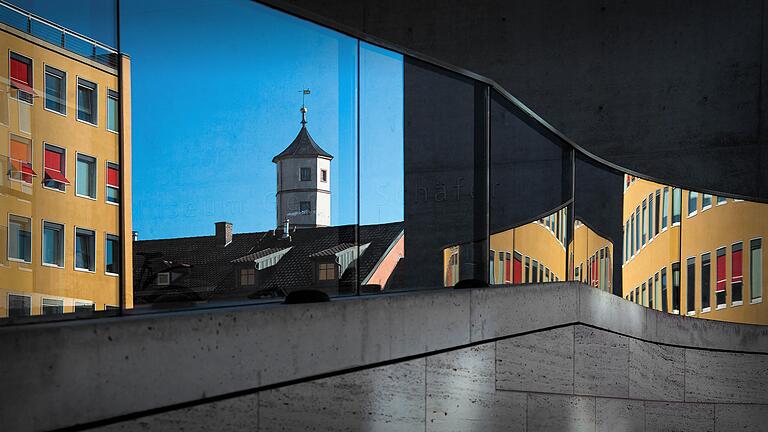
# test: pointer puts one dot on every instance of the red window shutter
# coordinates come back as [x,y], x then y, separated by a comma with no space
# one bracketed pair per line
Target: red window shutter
[736,271]
[518,271]
[720,274]
[53,160]
[507,269]
[113,176]
[19,71]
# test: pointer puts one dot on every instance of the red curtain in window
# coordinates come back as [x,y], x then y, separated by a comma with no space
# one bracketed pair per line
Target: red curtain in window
[508,268]
[720,286]
[736,271]
[113,176]
[19,71]
[518,271]
[54,166]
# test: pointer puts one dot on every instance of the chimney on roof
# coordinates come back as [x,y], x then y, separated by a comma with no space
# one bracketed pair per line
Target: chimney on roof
[286,230]
[223,233]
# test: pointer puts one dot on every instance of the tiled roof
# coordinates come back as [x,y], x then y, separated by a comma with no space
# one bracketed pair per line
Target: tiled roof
[302,145]
[332,250]
[213,267]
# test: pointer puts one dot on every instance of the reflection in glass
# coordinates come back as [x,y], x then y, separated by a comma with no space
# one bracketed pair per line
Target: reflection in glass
[51,148]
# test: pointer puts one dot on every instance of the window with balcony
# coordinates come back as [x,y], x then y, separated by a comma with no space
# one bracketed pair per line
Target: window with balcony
[721,280]
[20,159]
[85,185]
[113,120]
[55,168]
[113,183]
[85,248]
[756,270]
[87,101]
[55,90]
[737,275]
[706,278]
[112,254]
[53,244]
[21,76]
[19,238]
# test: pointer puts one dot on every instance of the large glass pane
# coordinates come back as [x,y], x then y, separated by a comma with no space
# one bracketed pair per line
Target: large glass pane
[50,156]
[446,189]
[530,190]
[244,156]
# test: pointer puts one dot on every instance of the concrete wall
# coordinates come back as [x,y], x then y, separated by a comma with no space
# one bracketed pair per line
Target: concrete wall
[363,360]
[569,378]
[669,90]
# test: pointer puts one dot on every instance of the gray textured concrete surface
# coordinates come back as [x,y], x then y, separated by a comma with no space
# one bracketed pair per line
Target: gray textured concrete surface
[104,368]
[726,377]
[679,417]
[462,396]
[744,418]
[601,363]
[560,412]
[648,85]
[614,415]
[656,372]
[540,362]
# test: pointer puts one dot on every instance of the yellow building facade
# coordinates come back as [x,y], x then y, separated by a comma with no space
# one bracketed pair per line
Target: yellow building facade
[694,254]
[62,246]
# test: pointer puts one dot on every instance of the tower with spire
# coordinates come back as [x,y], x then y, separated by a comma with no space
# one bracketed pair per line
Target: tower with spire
[303,180]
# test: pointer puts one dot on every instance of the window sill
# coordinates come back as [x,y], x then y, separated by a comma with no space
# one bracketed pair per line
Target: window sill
[54,189]
[19,260]
[96,125]
[112,274]
[63,114]
[721,203]
[705,310]
[77,269]
[720,307]
[690,215]
[113,131]
[706,208]
[737,303]
[675,312]
[756,301]
[52,265]
[113,203]
[690,313]
[86,197]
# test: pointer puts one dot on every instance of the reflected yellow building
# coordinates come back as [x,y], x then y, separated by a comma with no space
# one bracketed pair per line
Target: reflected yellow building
[60,178]
[531,253]
[591,259]
[693,253]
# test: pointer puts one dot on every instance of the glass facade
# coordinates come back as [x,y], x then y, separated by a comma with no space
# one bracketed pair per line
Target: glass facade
[315,162]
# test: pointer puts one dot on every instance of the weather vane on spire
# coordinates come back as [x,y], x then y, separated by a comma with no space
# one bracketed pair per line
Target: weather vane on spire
[303,109]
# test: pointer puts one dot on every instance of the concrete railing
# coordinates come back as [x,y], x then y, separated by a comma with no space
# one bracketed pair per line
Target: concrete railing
[99,371]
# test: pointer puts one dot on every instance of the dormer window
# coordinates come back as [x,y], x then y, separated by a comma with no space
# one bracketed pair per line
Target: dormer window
[247,277]
[326,271]
[306,174]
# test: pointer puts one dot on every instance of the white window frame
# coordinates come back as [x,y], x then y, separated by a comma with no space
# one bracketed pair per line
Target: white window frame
[323,175]
[32,69]
[95,174]
[48,298]
[106,241]
[63,244]
[711,200]
[310,174]
[45,89]
[756,300]
[688,205]
[8,240]
[717,200]
[31,158]
[107,186]
[77,101]
[117,112]
[74,250]
[64,153]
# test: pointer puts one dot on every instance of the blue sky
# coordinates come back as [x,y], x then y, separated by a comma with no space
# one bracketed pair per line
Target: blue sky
[216,93]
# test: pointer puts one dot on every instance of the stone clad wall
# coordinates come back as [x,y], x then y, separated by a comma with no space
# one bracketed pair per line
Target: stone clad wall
[574,377]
